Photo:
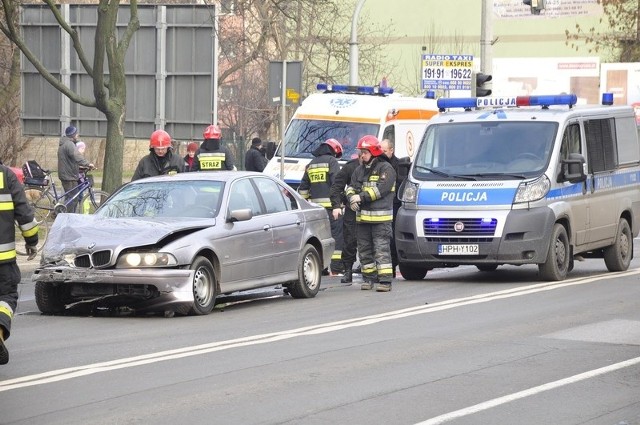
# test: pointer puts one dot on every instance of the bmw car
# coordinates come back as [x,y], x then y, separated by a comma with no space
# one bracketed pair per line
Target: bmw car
[174,243]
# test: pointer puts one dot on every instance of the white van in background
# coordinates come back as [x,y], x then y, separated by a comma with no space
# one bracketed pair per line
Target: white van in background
[346,113]
[524,180]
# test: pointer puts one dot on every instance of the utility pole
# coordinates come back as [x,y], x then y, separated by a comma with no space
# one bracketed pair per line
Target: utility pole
[486,35]
[353,46]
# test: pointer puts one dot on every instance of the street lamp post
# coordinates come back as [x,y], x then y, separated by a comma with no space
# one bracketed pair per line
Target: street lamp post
[353,46]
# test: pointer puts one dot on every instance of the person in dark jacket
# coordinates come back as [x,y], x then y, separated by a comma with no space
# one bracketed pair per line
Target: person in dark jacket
[190,163]
[254,159]
[160,160]
[14,208]
[69,162]
[211,156]
[370,195]
[316,186]
[388,148]
[338,202]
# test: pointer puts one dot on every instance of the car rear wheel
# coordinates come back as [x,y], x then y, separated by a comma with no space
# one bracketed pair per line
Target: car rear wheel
[50,297]
[204,286]
[309,274]
[617,257]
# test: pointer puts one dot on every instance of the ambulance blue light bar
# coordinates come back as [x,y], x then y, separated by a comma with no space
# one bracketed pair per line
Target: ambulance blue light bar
[505,102]
[343,88]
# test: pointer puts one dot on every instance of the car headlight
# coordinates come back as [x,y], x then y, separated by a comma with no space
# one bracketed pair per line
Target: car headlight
[410,192]
[146,259]
[533,190]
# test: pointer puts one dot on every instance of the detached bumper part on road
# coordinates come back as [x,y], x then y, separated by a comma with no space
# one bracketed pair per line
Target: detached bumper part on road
[142,289]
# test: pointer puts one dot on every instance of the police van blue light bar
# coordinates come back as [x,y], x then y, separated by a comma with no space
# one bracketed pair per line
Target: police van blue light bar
[343,88]
[504,102]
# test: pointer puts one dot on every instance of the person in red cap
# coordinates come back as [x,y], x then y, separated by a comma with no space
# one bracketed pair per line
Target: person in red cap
[211,156]
[370,195]
[190,163]
[160,160]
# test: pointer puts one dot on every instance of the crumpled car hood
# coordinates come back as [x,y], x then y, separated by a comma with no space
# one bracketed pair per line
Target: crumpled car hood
[79,233]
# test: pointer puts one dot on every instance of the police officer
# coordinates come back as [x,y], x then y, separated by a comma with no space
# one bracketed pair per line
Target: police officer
[211,156]
[13,208]
[316,186]
[370,195]
[161,158]
[254,159]
[338,200]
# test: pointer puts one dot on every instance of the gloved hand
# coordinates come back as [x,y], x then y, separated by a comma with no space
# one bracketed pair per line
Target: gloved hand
[336,213]
[32,251]
[354,203]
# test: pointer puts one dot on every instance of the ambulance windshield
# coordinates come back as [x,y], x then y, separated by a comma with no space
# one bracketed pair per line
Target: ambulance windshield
[485,150]
[304,136]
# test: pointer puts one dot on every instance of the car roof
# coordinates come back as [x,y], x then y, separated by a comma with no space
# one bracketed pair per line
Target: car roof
[223,176]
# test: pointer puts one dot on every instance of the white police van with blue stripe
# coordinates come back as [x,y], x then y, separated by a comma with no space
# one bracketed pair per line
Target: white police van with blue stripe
[523,180]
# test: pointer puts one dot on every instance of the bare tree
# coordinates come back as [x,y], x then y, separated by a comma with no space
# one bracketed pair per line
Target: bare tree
[109,90]
[10,142]
[621,40]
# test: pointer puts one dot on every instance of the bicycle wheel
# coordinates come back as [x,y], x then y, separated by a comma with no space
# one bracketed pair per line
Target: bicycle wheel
[41,201]
[92,200]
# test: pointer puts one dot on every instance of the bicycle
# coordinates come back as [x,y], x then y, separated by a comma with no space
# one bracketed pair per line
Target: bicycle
[47,203]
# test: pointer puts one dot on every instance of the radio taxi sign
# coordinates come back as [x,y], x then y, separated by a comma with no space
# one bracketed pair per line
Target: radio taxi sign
[447,72]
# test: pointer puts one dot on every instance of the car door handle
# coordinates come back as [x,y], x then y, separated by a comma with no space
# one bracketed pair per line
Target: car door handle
[266,227]
[298,222]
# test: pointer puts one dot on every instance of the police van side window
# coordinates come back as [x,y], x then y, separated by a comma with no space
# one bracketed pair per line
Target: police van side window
[628,149]
[601,144]
[570,141]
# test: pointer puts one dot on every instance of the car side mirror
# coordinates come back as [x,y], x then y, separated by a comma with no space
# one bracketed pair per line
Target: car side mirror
[573,168]
[243,214]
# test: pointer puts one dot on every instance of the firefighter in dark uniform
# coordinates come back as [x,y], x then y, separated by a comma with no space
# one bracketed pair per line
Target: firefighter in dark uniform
[161,159]
[211,156]
[13,208]
[316,186]
[338,201]
[370,195]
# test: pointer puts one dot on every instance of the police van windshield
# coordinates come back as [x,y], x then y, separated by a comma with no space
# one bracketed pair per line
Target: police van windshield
[485,150]
[304,136]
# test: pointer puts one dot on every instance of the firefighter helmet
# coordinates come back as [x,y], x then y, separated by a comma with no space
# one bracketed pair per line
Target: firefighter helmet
[160,139]
[370,143]
[212,132]
[335,146]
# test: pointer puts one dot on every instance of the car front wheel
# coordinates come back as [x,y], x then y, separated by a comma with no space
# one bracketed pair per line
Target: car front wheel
[50,297]
[204,286]
[309,274]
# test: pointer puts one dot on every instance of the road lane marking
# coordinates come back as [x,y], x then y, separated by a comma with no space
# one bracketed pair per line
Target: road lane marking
[145,359]
[529,392]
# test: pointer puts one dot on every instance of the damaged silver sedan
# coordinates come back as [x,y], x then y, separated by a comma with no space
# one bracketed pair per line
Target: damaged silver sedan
[174,243]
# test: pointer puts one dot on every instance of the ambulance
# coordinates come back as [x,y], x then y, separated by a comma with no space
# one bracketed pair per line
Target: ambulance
[522,180]
[346,113]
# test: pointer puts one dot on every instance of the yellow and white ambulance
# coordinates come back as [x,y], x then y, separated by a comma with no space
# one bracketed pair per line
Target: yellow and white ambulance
[346,113]
[524,180]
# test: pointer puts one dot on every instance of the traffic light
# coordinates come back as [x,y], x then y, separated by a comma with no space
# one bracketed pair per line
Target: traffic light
[536,5]
[481,80]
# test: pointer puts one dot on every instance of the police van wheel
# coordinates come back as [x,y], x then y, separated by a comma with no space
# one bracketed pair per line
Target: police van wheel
[412,273]
[557,265]
[617,257]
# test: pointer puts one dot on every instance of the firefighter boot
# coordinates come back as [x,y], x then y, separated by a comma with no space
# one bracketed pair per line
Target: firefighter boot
[4,353]
[348,273]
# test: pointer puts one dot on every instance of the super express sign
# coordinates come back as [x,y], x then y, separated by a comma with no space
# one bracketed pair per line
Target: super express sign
[447,72]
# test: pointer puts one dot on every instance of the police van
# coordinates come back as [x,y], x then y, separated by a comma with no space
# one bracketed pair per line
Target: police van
[523,180]
[346,113]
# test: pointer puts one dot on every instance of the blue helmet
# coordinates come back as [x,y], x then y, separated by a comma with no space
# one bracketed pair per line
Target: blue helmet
[70,131]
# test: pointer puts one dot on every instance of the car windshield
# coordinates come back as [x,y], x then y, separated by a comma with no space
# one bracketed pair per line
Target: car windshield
[165,199]
[485,150]
[304,136]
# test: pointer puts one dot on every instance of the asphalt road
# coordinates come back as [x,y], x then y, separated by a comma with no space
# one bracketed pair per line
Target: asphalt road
[460,347]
